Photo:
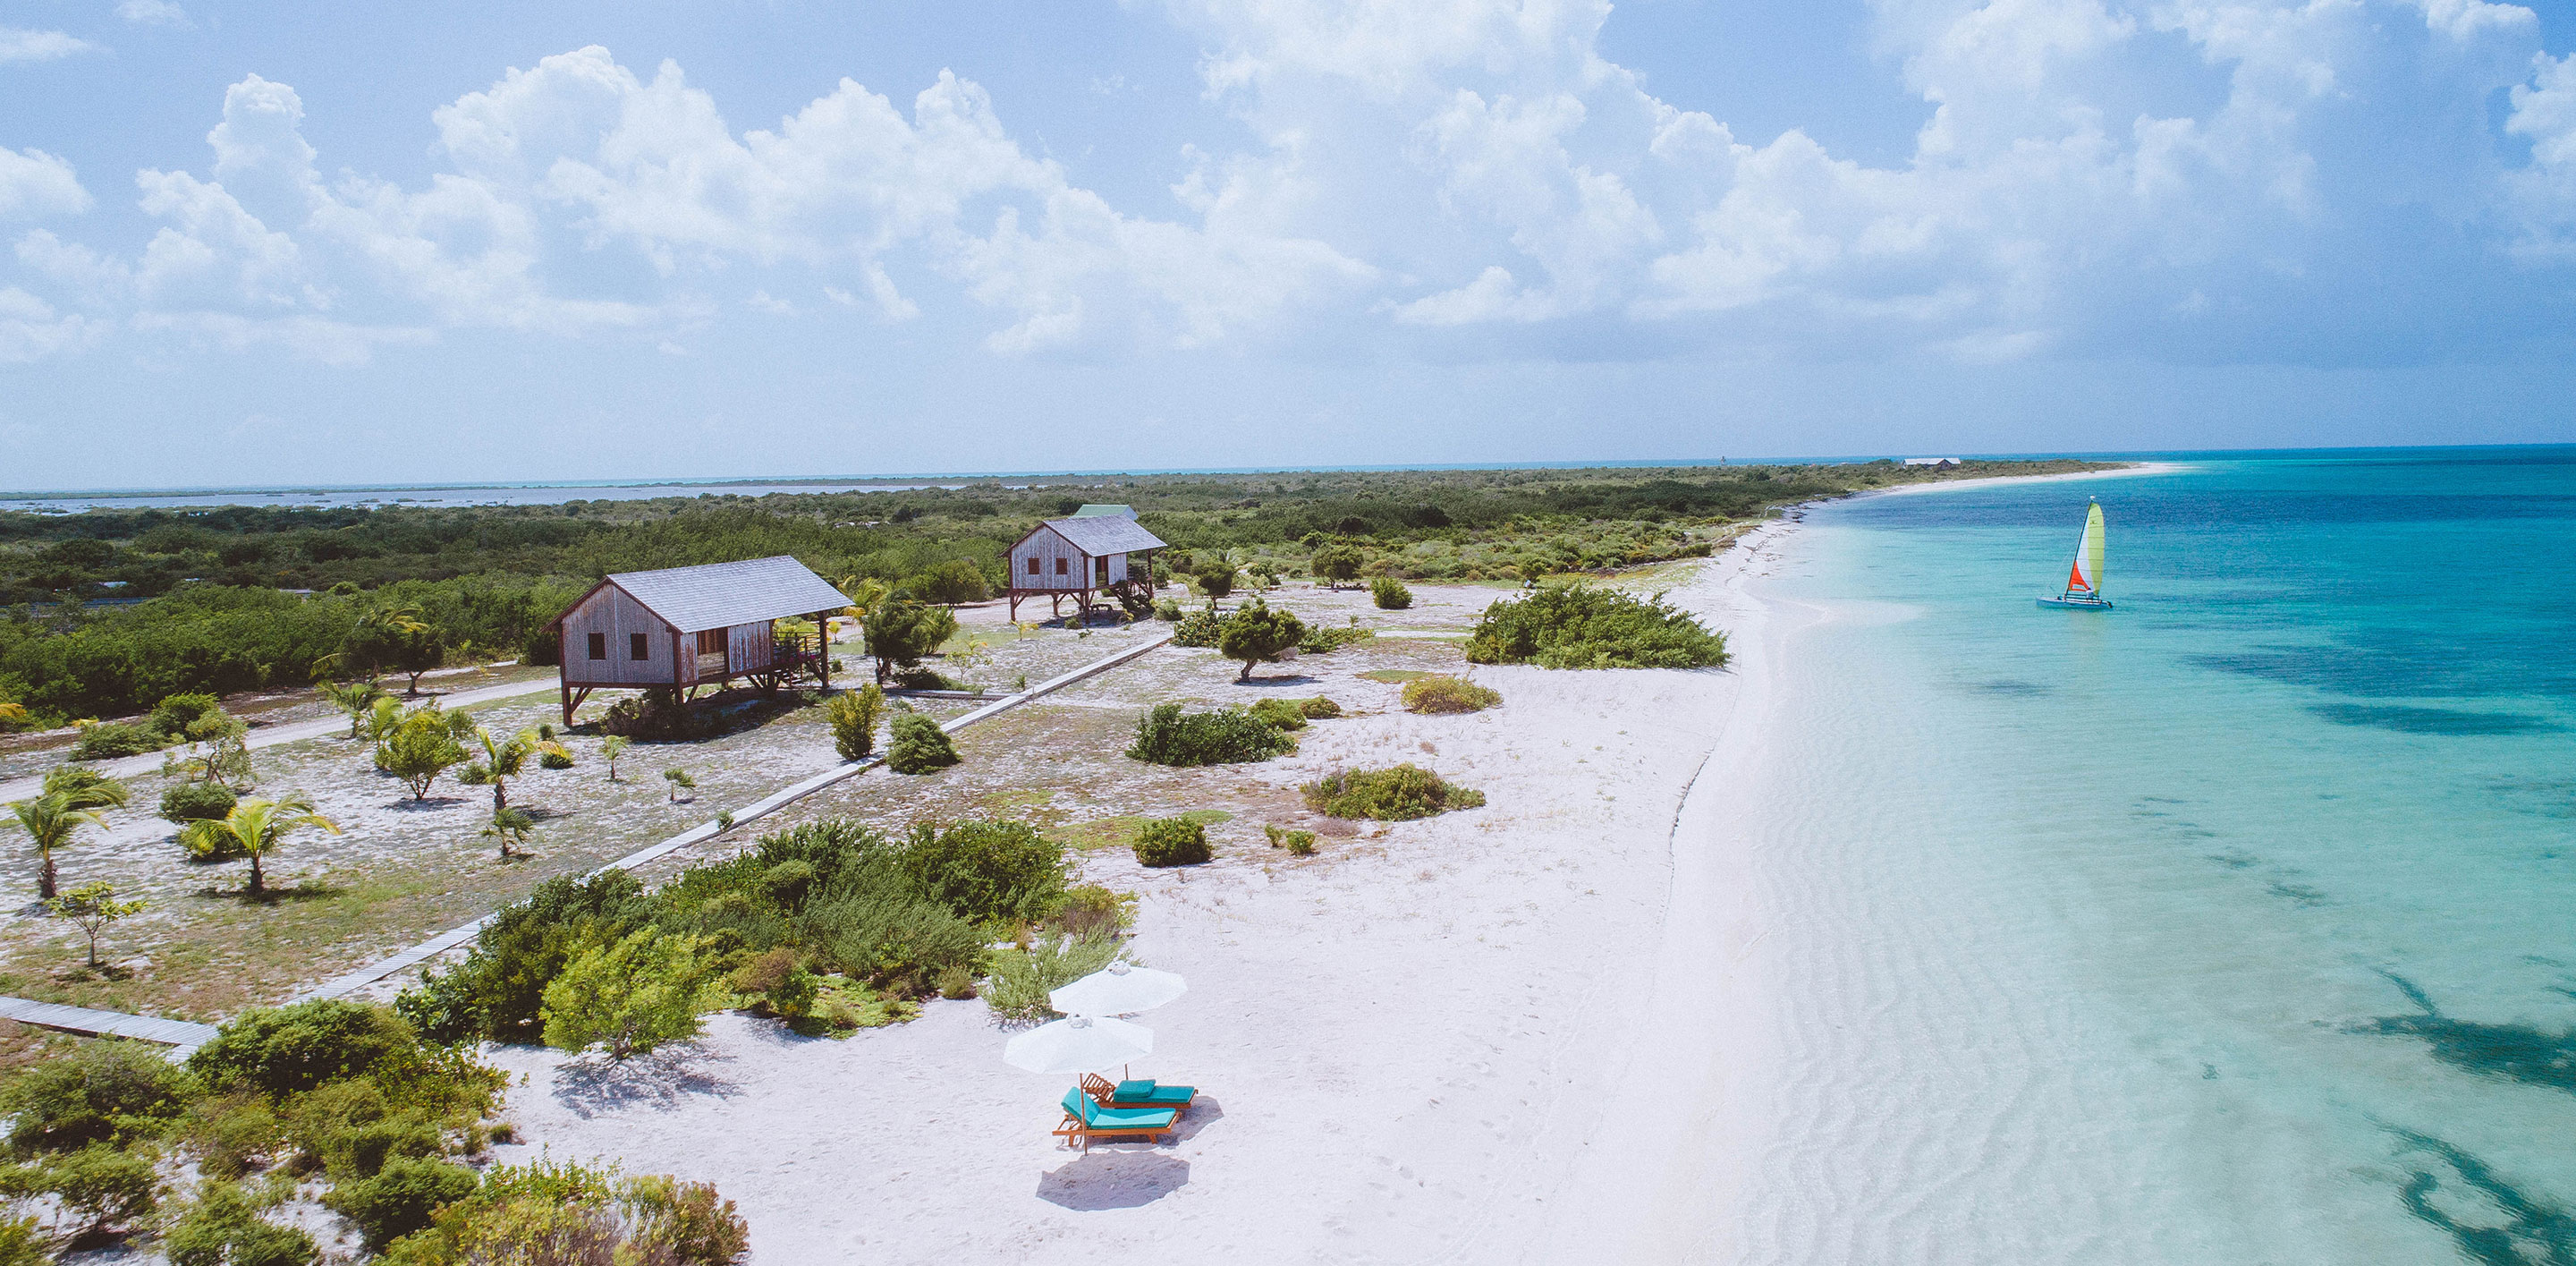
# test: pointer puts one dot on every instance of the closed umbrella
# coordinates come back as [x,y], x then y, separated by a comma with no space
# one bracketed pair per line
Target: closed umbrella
[1118,989]
[1080,1044]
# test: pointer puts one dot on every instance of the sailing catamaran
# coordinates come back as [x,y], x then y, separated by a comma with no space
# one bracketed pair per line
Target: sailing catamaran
[2084,577]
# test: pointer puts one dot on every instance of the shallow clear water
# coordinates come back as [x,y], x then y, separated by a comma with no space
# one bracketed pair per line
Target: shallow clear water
[2236,924]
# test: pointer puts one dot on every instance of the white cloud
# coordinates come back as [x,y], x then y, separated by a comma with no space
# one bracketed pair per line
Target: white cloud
[34,183]
[30,329]
[153,13]
[19,45]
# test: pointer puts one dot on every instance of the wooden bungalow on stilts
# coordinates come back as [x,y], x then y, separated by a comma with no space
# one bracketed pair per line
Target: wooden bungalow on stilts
[1082,558]
[686,627]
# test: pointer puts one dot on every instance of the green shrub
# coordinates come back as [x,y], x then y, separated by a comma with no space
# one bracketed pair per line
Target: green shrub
[1388,795]
[1167,611]
[919,746]
[400,1198]
[1021,979]
[628,998]
[223,1228]
[1199,628]
[171,717]
[1324,640]
[1283,713]
[1390,594]
[1094,910]
[952,582]
[1440,695]
[1335,563]
[545,1213]
[1298,843]
[498,991]
[105,1187]
[955,983]
[1257,635]
[1578,626]
[102,1092]
[551,759]
[922,677]
[1171,842]
[109,740]
[1319,708]
[23,1242]
[853,716]
[989,872]
[197,801]
[1167,736]
[288,1050]
[898,941]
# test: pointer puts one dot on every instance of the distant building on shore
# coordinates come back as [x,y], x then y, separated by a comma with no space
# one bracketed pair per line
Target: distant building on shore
[1932,461]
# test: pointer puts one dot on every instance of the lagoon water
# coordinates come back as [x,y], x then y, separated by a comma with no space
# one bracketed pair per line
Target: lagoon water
[2235,925]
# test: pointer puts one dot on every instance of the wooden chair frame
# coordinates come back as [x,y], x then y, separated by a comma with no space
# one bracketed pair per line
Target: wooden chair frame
[1076,1130]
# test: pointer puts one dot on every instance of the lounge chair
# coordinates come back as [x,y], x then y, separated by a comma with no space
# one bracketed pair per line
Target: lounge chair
[1137,1094]
[1085,1120]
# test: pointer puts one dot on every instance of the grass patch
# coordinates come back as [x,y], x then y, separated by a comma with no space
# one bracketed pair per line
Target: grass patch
[1119,832]
[1395,676]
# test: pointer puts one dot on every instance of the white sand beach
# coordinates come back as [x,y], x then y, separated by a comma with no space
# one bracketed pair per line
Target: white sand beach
[1446,1040]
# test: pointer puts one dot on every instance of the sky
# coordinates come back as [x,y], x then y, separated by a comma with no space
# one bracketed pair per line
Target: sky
[322,242]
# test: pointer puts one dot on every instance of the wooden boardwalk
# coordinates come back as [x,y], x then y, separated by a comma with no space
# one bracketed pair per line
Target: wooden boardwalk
[187,1035]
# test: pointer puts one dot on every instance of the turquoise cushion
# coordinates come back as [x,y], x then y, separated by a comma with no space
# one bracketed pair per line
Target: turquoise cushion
[1134,1089]
[1130,1118]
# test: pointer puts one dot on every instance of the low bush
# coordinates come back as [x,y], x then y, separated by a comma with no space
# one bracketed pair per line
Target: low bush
[1298,843]
[1388,795]
[897,941]
[1021,979]
[1283,713]
[853,716]
[1200,628]
[1171,842]
[400,1198]
[171,717]
[223,1228]
[197,802]
[1578,626]
[649,988]
[1319,708]
[1093,910]
[1442,695]
[658,713]
[1390,594]
[921,677]
[994,873]
[109,740]
[103,1092]
[101,1187]
[1258,635]
[287,1050]
[919,746]
[1167,611]
[1167,736]
[548,1213]
[1324,639]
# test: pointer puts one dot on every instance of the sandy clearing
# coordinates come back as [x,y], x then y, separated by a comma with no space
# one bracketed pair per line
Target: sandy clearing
[1403,1043]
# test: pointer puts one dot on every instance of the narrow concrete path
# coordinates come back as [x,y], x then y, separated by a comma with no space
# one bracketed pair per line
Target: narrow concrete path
[187,1035]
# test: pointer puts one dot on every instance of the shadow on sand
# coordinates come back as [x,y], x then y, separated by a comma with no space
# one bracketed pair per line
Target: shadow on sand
[1113,1176]
[662,1079]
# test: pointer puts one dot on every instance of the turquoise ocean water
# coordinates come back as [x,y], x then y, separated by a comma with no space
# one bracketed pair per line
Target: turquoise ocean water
[2235,925]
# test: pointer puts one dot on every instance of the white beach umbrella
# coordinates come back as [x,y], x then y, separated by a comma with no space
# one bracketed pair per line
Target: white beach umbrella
[1080,1044]
[1121,988]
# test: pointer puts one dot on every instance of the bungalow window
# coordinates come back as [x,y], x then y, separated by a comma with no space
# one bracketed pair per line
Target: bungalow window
[599,646]
[638,647]
[1060,568]
[711,642]
[1033,564]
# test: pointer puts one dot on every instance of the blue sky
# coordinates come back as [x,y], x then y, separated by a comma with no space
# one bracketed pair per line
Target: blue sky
[324,242]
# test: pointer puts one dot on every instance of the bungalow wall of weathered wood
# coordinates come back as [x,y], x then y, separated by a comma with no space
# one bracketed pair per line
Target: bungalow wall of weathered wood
[685,627]
[1079,558]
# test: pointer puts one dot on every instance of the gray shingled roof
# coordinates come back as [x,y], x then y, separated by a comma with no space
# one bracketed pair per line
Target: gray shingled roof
[720,595]
[1105,535]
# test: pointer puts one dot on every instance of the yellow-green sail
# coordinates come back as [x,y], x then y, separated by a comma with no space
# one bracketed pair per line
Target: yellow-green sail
[2086,575]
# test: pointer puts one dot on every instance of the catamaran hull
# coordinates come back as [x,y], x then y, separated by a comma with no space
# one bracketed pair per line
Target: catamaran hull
[2076,604]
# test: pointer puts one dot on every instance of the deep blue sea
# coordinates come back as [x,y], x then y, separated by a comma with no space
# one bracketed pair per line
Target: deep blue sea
[2236,924]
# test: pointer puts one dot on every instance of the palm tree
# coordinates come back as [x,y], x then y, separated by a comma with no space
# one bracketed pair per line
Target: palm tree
[51,820]
[255,827]
[511,828]
[354,698]
[507,759]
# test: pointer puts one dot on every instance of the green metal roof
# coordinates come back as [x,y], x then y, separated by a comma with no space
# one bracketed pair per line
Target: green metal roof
[1102,511]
